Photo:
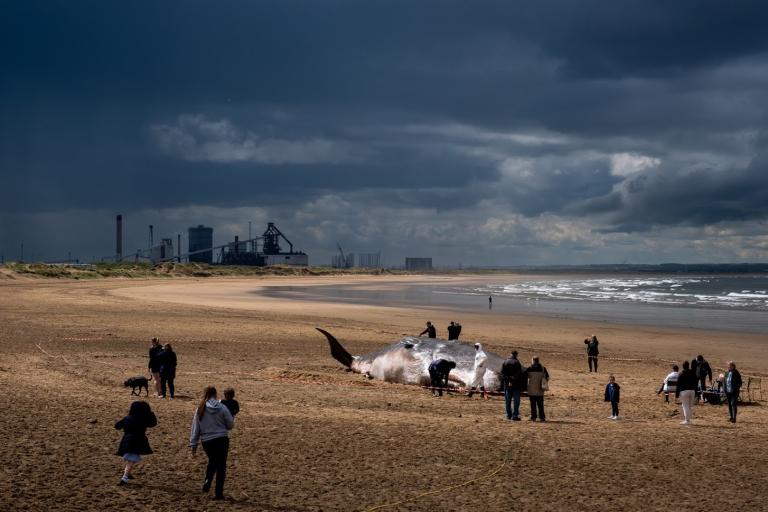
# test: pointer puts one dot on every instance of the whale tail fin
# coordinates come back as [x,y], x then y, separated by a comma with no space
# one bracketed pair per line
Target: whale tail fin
[338,352]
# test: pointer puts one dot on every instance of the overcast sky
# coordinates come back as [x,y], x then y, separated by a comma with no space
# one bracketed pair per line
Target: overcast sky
[485,133]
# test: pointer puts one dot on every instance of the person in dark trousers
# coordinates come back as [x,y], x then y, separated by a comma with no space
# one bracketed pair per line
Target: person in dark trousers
[686,392]
[512,375]
[438,375]
[592,351]
[211,425]
[452,334]
[168,363]
[732,384]
[538,380]
[669,385]
[703,372]
[458,330]
[154,363]
[430,331]
[490,301]
[612,394]
[230,403]
[134,443]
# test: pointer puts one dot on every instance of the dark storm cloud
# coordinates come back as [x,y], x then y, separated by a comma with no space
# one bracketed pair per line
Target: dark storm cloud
[481,111]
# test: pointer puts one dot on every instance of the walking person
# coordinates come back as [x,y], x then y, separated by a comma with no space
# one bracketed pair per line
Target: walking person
[686,392]
[134,443]
[430,331]
[592,351]
[512,374]
[478,377]
[168,363]
[211,425]
[154,363]
[612,394]
[538,382]
[732,384]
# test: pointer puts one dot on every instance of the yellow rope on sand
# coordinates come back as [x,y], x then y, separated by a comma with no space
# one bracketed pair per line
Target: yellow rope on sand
[444,489]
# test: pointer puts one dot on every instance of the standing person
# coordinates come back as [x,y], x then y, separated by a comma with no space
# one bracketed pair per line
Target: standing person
[592,351]
[538,382]
[430,331]
[458,330]
[686,391]
[438,375]
[512,373]
[478,377]
[490,301]
[134,443]
[167,370]
[703,372]
[732,384]
[154,363]
[612,394]
[670,383]
[452,335]
[211,425]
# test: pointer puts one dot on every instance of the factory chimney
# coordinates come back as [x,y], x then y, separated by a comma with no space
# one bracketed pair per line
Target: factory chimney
[119,247]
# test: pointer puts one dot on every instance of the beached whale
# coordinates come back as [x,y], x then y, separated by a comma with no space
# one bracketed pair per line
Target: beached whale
[407,361]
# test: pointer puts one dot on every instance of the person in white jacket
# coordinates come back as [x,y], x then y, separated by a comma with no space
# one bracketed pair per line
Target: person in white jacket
[211,425]
[479,373]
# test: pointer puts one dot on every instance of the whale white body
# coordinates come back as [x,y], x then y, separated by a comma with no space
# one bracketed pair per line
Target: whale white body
[407,361]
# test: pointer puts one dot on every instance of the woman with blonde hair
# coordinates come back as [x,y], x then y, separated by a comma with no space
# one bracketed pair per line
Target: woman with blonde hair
[211,425]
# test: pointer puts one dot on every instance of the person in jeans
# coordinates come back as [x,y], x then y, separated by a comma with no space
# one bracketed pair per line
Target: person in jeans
[211,425]
[732,384]
[592,351]
[535,374]
[512,375]
[687,383]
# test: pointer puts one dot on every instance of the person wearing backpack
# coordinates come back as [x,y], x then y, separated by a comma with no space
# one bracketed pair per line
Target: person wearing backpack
[538,383]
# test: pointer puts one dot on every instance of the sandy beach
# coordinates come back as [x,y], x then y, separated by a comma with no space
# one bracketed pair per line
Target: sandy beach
[313,436]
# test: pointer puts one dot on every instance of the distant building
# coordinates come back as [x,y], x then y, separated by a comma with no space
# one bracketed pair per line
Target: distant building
[162,252]
[369,260]
[201,238]
[418,264]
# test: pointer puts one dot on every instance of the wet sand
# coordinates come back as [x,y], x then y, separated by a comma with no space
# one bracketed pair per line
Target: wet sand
[312,436]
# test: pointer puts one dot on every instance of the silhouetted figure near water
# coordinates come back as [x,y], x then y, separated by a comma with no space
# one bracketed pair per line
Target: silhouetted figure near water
[490,302]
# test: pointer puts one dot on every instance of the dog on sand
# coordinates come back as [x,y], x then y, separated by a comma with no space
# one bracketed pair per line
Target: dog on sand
[137,382]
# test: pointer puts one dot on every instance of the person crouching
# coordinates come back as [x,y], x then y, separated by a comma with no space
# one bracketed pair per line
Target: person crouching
[438,375]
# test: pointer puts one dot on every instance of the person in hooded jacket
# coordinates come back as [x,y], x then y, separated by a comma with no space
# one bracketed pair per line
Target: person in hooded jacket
[168,361]
[479,373]
[211,425]
[134,443]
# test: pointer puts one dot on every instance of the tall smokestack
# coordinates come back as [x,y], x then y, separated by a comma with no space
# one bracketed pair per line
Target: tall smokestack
[119,247]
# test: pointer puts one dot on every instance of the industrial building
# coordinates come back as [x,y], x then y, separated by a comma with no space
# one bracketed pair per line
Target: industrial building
[418,264]
[200,238]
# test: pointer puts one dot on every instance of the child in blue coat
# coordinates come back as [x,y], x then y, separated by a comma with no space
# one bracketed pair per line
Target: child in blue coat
[612,394]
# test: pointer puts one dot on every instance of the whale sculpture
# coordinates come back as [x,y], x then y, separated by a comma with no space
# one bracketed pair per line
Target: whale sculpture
[407,361]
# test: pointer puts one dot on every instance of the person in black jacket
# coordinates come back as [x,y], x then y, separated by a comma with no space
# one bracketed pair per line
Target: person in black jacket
[703,371]
[134,443]
[430,331]
[512,375]
[592,351]
[732,384]
[167,360]
[686,392]
[154,363]
[452,335]
[613,395]
[230,403]
[438,375]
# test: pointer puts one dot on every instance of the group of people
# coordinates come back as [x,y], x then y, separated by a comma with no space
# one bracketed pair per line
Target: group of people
[454,331]
[162,366]
[516,379]
[212,421]
[690,384]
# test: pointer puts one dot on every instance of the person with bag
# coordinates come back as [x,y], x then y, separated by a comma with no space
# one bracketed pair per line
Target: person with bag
[538,382]
[211,425]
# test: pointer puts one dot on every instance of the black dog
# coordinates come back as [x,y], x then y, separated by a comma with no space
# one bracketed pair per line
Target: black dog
[137,382]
